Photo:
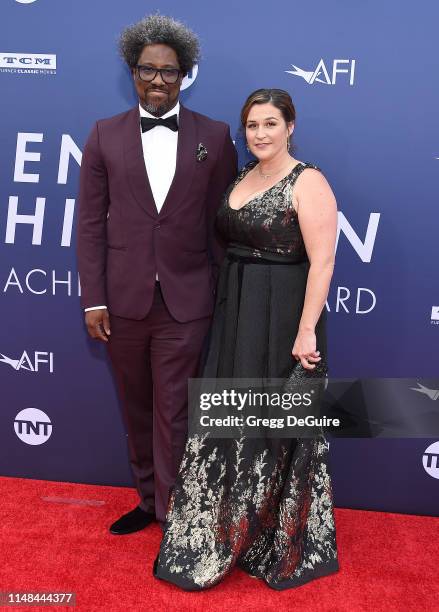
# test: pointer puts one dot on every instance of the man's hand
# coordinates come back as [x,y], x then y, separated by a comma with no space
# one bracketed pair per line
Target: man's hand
[98,324]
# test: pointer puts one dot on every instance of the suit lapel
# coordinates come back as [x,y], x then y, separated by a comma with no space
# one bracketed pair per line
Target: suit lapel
[185,163]
[135,164]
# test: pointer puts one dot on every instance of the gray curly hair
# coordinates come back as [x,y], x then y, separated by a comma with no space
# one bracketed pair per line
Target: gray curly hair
[159,29]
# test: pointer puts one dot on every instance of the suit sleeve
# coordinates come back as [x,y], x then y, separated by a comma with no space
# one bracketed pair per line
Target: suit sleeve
[224,173]
[92,223]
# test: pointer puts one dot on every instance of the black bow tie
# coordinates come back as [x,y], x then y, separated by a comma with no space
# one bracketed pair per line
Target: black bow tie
[148,123]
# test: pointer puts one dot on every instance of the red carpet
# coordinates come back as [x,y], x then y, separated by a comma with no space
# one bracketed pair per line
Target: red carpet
[54,538]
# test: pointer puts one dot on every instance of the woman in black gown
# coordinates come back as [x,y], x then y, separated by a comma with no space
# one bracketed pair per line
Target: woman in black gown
[263,505]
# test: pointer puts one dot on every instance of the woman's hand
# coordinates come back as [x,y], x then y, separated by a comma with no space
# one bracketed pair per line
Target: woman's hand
[304,349]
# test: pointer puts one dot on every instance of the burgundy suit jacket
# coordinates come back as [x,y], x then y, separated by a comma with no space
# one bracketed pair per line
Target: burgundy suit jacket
[122,240]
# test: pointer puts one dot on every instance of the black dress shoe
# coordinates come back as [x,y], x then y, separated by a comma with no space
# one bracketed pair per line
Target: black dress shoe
[133,521]
[154,567]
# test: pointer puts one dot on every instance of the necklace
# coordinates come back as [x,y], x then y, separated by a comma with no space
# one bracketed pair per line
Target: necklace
[267,176]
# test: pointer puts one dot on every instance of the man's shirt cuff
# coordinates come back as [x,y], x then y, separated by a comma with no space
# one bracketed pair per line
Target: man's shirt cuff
[95,308]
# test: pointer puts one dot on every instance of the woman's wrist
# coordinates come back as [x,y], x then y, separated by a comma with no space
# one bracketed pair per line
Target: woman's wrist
[306,327]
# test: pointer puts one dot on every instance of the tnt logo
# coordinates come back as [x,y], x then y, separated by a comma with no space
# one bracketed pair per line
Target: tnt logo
[321,74]
[189,78]
[33,426]
[430,460]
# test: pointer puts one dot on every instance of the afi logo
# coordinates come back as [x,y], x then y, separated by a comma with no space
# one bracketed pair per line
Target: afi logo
[433,394]
[189,78]
[321,74]
[430,460]
[25,362]
[33,426]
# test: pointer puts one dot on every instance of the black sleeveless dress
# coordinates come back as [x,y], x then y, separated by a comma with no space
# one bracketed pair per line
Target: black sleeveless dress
[264,506]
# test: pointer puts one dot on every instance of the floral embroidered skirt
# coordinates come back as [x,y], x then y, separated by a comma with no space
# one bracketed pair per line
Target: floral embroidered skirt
[262,504]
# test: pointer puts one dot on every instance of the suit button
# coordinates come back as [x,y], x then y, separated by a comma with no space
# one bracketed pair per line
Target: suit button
[157,226]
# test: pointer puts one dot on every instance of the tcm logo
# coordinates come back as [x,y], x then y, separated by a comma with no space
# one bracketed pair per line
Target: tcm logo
[28,63]
[430,460]
[190,77]
[33,426]
[32,362]
[435,315]
[328,76]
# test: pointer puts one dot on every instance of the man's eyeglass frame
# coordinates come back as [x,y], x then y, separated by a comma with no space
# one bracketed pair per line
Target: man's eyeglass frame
[176,71]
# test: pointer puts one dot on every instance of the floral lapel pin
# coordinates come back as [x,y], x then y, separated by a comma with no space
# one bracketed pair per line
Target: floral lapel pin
[201,152]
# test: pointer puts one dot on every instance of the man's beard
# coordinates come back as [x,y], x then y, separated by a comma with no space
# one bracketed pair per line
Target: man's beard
[156,109]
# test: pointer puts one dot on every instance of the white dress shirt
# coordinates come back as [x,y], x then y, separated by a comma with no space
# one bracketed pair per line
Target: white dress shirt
[160,154]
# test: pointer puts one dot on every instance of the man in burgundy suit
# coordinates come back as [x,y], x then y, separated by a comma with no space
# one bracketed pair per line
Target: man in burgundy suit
[151,182]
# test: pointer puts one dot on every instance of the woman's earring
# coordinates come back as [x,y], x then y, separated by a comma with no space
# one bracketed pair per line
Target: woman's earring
[288,144]
[246,146]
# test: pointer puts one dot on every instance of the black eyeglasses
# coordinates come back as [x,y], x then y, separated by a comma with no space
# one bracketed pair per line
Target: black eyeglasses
[148,73]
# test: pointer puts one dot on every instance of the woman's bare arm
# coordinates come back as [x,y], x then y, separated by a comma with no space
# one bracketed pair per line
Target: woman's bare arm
[317,212]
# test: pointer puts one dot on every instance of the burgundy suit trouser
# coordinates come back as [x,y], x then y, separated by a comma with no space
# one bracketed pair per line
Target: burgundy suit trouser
[153,359]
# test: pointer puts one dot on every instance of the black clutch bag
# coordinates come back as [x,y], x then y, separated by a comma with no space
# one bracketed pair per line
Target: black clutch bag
[309,386]
[318,375]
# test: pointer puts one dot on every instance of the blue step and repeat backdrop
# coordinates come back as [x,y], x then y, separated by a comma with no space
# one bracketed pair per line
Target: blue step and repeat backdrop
[364,79]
